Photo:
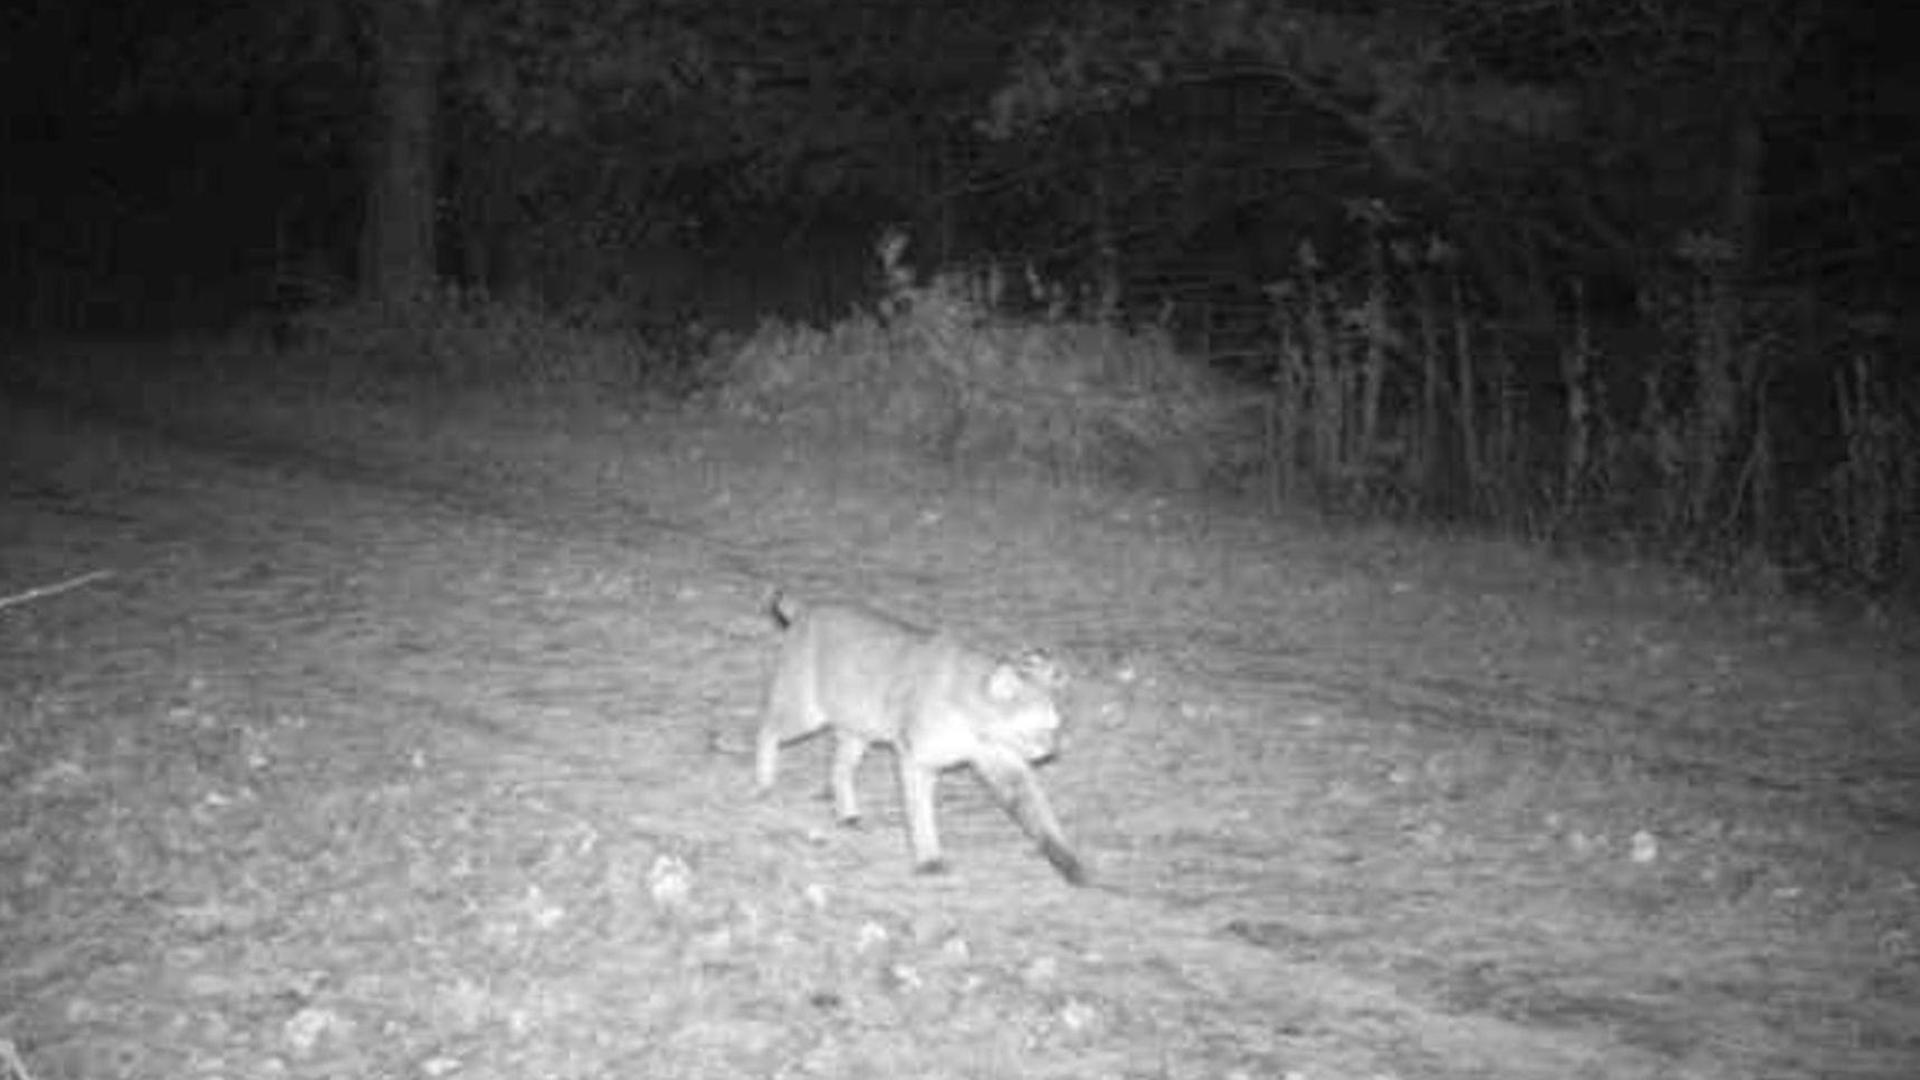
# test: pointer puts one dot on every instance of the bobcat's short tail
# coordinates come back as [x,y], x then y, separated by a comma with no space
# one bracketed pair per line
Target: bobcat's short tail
[784,609]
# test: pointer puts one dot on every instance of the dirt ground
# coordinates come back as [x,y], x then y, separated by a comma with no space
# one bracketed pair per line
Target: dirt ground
[402,742]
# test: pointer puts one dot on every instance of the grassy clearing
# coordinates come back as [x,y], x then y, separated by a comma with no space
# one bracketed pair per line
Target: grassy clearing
[388,751]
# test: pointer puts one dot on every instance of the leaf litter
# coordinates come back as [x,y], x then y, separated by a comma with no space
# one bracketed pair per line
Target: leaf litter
[410,769]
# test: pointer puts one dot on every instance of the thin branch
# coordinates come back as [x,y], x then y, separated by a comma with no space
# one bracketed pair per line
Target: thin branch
[44,591]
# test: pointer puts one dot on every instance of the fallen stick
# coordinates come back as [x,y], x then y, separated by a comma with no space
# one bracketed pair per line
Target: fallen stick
[57,587]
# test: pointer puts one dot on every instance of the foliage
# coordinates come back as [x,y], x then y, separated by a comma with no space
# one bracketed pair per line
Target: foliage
[554,67]
[465,341]
[938,369]
[1390,81]
[1391,395]
[214,55]
[1869,503]
[1573,267]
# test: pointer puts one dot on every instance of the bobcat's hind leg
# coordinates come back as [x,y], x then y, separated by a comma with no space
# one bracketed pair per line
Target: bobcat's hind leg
[785,717]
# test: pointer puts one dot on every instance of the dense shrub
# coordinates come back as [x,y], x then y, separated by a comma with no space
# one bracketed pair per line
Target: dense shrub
[939,370]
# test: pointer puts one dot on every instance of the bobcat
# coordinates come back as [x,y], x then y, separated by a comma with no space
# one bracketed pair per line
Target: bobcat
[938,702]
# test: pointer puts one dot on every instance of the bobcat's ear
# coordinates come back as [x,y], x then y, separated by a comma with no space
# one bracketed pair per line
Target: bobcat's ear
[1030,671]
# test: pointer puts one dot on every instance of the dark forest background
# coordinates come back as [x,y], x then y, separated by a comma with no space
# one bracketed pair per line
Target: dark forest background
[1596,272]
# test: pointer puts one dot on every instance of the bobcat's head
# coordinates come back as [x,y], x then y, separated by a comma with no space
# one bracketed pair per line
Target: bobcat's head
[1026,718]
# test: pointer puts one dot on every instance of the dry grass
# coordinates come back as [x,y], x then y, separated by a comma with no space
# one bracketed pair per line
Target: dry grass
[391,756]
[947,377]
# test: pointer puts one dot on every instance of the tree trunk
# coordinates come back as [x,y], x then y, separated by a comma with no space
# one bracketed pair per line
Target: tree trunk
[397,260]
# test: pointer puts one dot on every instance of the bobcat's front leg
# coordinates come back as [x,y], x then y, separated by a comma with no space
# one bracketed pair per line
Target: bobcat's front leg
[917,784]
[1018,789]
[848,750]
